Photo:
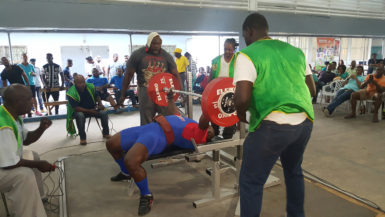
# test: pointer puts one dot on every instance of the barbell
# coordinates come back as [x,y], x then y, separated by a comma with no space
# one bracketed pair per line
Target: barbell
[217,99]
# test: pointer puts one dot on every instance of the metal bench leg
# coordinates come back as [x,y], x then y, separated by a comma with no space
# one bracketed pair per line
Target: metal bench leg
[5,204]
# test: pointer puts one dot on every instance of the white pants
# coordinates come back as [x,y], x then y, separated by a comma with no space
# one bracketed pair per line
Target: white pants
[24,188]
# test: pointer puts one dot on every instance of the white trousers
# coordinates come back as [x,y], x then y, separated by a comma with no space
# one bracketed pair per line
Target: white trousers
[24,188]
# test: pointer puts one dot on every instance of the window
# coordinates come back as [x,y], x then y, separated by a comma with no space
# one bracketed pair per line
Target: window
[75,46]
[4,48]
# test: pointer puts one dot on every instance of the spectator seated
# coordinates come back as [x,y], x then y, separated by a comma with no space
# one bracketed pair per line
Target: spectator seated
[350,85]
[101,84]
[324,77]
[116,84]
[375,87]
[82,98]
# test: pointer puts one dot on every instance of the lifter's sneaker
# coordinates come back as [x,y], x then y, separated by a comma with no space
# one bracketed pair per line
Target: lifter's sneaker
[145,204]
[120,177]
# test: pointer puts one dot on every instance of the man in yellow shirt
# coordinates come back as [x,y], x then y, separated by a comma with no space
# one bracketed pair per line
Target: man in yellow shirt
[181,64]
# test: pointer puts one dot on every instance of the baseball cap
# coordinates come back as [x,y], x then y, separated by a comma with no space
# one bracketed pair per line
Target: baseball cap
[178,50]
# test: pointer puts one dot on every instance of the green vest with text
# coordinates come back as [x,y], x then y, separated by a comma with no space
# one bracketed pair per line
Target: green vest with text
[216,66]
[73,93]
[7,121]
[280,85]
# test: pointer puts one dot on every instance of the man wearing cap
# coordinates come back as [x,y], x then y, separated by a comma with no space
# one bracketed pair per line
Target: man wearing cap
[181,65]
[91,65]
[146,62]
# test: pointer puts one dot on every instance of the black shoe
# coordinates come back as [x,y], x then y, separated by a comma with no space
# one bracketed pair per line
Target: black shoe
[120,177]
[145,204]
[44,200]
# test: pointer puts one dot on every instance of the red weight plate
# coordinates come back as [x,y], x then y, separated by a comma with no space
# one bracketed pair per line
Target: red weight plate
[157,83]
[218,102]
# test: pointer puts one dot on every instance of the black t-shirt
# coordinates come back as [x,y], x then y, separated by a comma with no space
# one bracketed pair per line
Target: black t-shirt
[51,73]
[14,75]
[147,64]
[85,100]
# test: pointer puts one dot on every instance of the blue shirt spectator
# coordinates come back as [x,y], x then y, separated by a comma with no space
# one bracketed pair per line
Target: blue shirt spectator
[68,79]
[117,81]
[97,82]
[352,84]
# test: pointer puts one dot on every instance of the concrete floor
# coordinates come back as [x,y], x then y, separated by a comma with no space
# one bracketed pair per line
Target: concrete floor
[175,187]
[346,153]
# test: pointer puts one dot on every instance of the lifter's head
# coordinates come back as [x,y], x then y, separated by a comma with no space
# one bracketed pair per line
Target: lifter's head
[254,27]
[18,99]
[210,133]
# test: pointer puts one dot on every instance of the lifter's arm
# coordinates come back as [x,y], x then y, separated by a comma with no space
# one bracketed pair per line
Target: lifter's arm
[171,107]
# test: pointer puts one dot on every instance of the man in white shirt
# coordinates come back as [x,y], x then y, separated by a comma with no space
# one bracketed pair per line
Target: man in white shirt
[90,66]
[113,67]
[20,178]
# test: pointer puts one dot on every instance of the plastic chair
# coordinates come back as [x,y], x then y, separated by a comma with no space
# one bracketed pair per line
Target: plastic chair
[331,89]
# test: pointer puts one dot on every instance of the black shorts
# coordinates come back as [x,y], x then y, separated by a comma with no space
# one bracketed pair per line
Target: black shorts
[33,87]
[103,95]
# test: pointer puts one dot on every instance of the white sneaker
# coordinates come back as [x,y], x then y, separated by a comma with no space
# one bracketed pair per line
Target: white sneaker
[326,112]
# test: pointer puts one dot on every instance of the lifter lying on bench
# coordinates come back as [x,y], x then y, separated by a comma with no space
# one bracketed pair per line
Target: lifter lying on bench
[139,143]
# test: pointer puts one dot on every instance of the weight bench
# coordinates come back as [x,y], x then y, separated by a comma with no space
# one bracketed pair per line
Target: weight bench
[170,153]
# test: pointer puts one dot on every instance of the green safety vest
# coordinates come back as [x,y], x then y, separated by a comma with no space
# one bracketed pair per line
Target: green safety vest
[280,85]
[216,66]
[73,93]
[7,121]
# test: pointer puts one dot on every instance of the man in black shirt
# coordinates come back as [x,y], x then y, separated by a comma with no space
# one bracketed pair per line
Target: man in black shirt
[13,73]
[82,99]
[50,75]
[147,62]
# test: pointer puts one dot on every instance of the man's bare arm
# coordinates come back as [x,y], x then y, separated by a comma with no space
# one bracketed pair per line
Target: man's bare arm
[242,98]
[310,84]
[25,78]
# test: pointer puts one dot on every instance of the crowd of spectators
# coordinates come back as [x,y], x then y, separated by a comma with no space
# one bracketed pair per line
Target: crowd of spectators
[353,85]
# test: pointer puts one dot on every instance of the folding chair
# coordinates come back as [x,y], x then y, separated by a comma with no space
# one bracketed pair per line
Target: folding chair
[97,121]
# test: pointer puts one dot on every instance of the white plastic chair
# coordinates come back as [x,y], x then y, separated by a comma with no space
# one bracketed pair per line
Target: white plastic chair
[331,89]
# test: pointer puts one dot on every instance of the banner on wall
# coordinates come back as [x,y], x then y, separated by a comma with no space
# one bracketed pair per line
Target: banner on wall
[328,49]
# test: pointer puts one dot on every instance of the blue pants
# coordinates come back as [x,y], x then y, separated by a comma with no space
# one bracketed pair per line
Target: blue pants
[39,98]
[261,150]
[342,96]
[80,118]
